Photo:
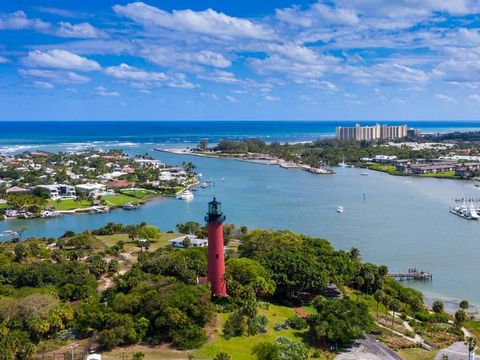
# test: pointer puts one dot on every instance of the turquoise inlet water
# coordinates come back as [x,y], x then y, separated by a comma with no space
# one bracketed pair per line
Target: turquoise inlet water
[403,222]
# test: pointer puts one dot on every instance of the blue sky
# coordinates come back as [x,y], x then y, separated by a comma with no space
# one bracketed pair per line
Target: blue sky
[240,59]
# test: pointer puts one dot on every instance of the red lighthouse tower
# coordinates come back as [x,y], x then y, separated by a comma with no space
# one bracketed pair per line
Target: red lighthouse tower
[216,257]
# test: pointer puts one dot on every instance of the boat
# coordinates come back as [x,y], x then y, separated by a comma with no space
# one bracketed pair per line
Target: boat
[204,185]
[185,195]
[340,209]
[342,164]
[364,173]
[466,212]
[130,206]
[99,209]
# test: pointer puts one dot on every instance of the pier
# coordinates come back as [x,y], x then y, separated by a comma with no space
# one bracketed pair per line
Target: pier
[412,274]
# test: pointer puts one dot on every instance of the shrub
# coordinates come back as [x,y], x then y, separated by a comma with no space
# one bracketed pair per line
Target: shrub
[189,338]
[297,322]
[235,325]
[438,306]
[423,316]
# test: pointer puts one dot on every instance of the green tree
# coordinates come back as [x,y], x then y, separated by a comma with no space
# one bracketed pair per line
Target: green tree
[339,321]
[437,306]
[97,265]
[464,304]
[460,317]
[394,306]
[186,243]
[243,275]
[266,351]
[203,145]
[379,296]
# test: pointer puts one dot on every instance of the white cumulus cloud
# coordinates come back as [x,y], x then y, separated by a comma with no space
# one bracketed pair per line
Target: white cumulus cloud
[19,21]
[208,22]
[60,59]
[82,30]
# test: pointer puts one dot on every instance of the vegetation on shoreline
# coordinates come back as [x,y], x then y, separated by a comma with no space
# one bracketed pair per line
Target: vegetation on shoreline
[124,284]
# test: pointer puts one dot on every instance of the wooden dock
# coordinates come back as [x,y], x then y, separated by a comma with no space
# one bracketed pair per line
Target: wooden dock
[412,274]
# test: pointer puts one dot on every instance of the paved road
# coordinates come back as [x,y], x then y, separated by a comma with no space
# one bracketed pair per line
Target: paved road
[368,349]
[456,351]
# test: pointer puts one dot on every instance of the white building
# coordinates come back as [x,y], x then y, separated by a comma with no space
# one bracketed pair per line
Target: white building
[91,189]
[59,191]
[149,162]
[194,241]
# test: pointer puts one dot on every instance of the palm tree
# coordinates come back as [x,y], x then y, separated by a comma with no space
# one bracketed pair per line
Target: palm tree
[20,232]
[369,280]
[222,356]
[394,306]
[379,296]
[355,254]
[359,281]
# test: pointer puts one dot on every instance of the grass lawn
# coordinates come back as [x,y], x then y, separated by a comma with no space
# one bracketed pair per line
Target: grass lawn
[474,327]
[110,240]
[416,354]
[120,200]
[442,175]
[390,169]
[69,204]
[139,194]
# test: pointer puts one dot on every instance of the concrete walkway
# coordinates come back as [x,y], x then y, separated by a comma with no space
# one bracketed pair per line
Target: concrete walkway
[368,349]
[456,351]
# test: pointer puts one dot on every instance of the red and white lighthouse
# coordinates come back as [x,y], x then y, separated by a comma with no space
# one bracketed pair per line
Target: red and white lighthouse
[216,256]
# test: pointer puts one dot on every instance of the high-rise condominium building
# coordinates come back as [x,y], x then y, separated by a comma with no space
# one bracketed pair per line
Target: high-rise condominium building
[374,132]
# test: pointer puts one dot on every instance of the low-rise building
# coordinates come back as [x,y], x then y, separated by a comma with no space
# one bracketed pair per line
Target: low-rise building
[194,241]
[18,190]
[59,191]
[90,189]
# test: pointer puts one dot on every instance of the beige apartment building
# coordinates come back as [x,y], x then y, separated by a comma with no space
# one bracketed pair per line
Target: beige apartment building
[374,132]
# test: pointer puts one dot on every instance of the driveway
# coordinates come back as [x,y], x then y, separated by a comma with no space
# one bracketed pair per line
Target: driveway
[368,349]
[456,351]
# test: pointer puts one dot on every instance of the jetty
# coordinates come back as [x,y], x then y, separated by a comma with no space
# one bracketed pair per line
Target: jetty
[412,274]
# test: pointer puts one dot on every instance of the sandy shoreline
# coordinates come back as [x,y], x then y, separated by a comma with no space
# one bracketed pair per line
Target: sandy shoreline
[252,158]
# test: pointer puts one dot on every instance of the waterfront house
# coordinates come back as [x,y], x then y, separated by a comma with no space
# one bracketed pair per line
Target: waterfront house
[384,158]
[149,163]
[59,191]
[90,189]
[194,241]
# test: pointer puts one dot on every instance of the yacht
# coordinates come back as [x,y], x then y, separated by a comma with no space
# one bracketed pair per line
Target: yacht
[467,212]
[130,206]
[185,195]
[340,209]
[342,164]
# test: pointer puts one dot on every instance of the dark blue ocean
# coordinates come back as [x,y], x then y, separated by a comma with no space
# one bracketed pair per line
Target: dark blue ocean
[183,132]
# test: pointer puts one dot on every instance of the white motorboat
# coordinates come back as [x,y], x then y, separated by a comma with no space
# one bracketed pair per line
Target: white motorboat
[130,206]
[204,185]
[364,173]
[340,209]
[185,195]
[466,212]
